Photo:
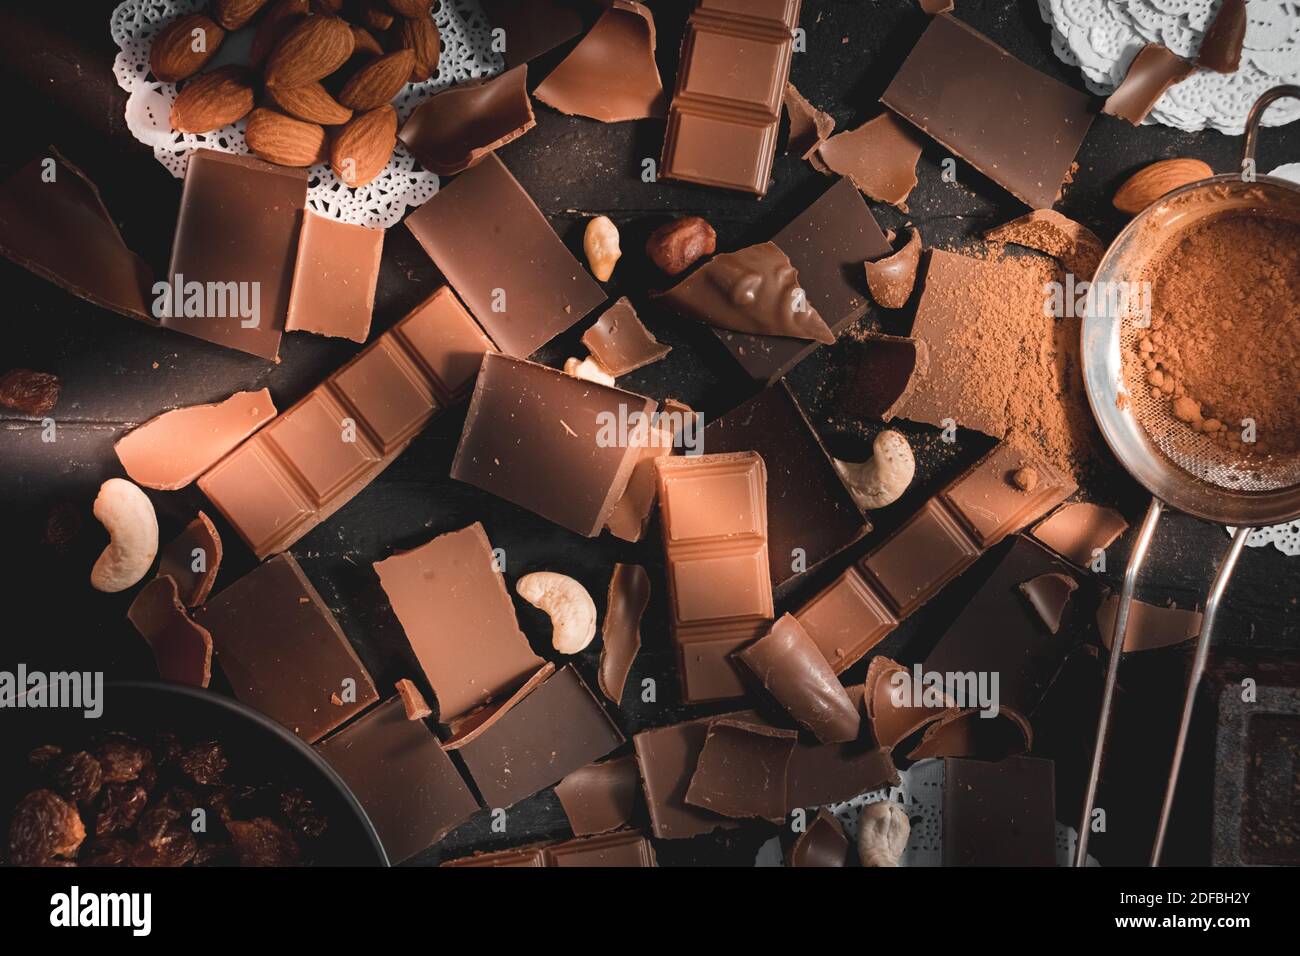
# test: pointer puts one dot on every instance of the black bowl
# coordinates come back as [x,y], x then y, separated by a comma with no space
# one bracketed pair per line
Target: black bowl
[260,751]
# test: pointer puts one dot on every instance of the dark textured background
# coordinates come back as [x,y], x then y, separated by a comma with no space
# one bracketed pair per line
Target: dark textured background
[57,71]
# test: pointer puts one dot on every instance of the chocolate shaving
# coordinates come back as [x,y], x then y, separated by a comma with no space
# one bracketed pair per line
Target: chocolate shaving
[413,702]
[1048,594]
[1221,46]
[822,844]
[199,544]
[879,156]
[620,633]
[1077,530]
[620,342]
[809,126]
[1153,70]
[467,728]
[611,74]
[884,375]
[892,278]
[1075,246]
[742,769]
[892,723]
[969,734]
[1150,627]
[181,648]
[456,129]
[600,797]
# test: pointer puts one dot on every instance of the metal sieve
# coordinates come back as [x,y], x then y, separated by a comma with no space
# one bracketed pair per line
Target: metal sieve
[1181,468]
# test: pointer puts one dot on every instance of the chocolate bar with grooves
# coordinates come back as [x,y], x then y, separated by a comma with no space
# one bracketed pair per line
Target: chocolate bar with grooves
[620,848]
[312,459]
[950,532]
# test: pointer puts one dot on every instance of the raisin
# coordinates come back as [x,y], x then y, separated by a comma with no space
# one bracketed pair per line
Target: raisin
[204,763]
[215,854]
[44,826]
[304,819]
[43,756]
[77,776]
[120,808]
[262,842]
[62,525]
[155,821]
[32,393]
[173,846]
[167,749]
[122,758]
[113,851]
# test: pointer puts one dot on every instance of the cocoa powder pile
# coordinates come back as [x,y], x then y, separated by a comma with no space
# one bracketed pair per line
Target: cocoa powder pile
[1224,342]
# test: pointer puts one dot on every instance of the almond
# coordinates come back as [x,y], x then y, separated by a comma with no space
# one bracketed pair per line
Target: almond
[213,100]
[362,148]
[411,9]
[375,15]
[1147,185]
[233,14]
[364,42]
[282,139]
[183,46]
[311,50]
[279,20]
[378,82]
[421,38]
[311,102]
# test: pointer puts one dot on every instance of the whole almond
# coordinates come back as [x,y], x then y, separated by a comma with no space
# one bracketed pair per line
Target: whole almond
[361,149]
[280,18]
[233,14]
[1147,185]
[213,100]
[364,42]
[282,139]
[420,36]
[310,102]
[183,46]
[375,15]
[311,50]
[410,8]
[378,82]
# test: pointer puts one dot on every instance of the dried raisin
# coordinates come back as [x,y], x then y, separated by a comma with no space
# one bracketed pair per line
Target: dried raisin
[113,851]
[204,763]
[44,826]
[304,819]
[122,759]
[77,776]
[44,755]
[262,842]
[32,393]
[120,808]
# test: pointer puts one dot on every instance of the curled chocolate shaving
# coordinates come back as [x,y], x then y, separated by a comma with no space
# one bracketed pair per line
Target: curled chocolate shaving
[192,560]
[1149,626]
[892,722]
[1048,594]
[892,278]
[456,129]
[968,733]
[822,844]
[620,634]
[1221,46]
[1153,70]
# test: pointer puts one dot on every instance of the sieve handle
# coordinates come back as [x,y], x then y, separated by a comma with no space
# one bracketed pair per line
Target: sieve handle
[1194,680]
[1256,118]
[1135,562]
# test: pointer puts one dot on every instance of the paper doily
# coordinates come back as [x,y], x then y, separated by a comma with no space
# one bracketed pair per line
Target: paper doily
[1102,37]
[1284,537]
[466,54]
[920,794]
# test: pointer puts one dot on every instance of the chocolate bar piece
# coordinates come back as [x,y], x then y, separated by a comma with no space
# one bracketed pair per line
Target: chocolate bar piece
[531,28]
[53,223]
[811,515]
[235,245]
[1014,124]
[601,796]
[631,513]
[1078,530]
[1221,46]
[181,648]
[999,814]
[517,277]
[456,612]
[550,442]
[887,369]
[620,342]
[453,130]
[726,111]
[1150,626]
[620,631]
[334,278]
[284,653]
[1152,72]
[827,243]
[553,731]
[880,157]
[621,849]
[864,604]
[822,844]
[821,774]
[809,126]
[713,510]
[409,788]
[315,457]
[192,560]
[742,770]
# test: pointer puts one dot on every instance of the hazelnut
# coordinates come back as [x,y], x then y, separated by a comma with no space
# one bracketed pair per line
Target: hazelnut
[675,246]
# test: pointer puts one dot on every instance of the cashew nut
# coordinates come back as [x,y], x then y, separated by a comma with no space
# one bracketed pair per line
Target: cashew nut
[882,478]
[567,603]
[883,829]
[127,515]
[600,242]
[589,370]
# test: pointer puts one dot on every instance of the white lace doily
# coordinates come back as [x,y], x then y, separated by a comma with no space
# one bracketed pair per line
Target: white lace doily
[466,54]
[921,795]
[1101,37]
[1284,537]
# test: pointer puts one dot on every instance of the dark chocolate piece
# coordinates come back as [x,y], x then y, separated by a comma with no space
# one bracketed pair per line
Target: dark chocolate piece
[1073,700]
[821,774]
[1075,246]
[827,243]
[409,788]
[999,814]
[1048,594]
[620,342]
[544,737]
[170,451]
[1152,72]
[1149,626]
[713,511]
[413,702]
[810,514]
[887,369]
[601,796]
[621,849]
[334,278]
[666,758]
[458,616]
[466,728]
[549,442]
[192,560]
[969,733]
[1077,530]
[611,74]
[620,632]
[880,157]
[809,126]
[314,458]
[453,130]
[1014,124]
[1221,46]
[755,291]
[181,648]
[517,277]
[892,279]
[236,242]
[795,672]
[531,28]
[726,111]
[822,844]
[53,223]
[284,653]
[742,768]
[891,703]
[934,7]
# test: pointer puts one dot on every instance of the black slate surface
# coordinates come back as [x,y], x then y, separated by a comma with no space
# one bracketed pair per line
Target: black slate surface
[57,70]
